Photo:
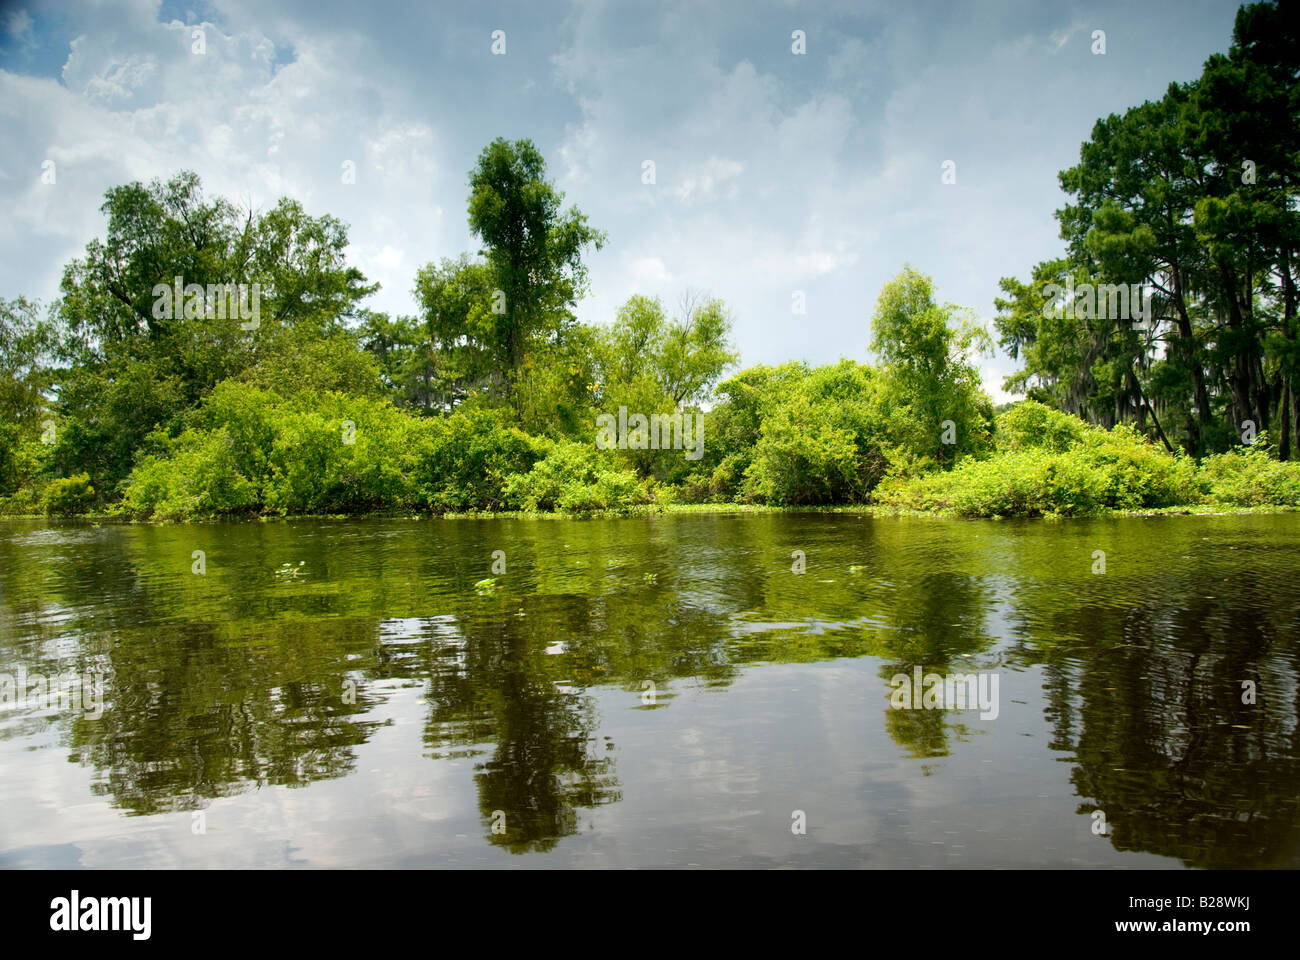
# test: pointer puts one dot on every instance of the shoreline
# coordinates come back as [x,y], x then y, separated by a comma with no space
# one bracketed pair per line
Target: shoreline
[653,510]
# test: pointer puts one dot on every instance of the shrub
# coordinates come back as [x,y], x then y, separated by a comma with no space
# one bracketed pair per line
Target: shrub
[24,502]
[1032,425]
[1117,469]
[719,485]
[27,467]
[576,476]
[1138,473]
[734,425]
[1250,477]
[822,443]
[249,449]
[68,496]
[465,461]
[201,479]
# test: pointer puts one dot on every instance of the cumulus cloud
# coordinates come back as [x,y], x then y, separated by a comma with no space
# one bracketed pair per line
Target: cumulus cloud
[774,172]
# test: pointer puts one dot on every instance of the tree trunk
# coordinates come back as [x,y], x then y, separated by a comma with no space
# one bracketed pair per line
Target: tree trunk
[1192,358]
[1284,418]
[1145,404]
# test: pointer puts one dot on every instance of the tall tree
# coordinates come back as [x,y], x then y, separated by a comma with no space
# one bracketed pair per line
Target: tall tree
[534,247]
[1194,197]
[927,349]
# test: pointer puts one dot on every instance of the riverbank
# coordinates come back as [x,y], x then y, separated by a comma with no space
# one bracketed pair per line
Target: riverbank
[1041,463]
[672,509]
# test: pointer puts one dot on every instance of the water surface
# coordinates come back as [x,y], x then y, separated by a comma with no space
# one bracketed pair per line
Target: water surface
[652,692]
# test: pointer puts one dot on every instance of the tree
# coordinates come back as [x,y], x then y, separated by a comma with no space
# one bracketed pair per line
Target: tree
[735,426]
[1192,198]
[138,360]
[823,439]
[533,247]
[26,343]
[408,365]
[932,389]
[680,358]
[651,364]
[111,308]
[468,346]
[1247,105]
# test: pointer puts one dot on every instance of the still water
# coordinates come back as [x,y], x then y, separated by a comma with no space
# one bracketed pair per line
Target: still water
[651,692]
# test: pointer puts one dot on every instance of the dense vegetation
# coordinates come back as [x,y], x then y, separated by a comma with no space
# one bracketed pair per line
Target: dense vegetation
[1192,201]
[488,398]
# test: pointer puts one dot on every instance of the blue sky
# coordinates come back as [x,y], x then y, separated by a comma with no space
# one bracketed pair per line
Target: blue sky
[774,172]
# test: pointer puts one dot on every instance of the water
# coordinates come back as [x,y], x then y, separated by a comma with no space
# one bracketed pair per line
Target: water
[652,692]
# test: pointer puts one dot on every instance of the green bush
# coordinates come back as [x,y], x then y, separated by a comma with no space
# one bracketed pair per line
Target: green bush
[464,461]
[25,471]
[719,485]
[201,478]
[249,449]
[25,502]
[1104,470]
[1250,477]
[1032,425]
[68,496]
[576,476]
[1139,474]
[1008,485]
[822,443]
[734,426]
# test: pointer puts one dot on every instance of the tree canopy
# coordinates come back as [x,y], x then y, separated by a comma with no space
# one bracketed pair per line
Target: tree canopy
[1193,199]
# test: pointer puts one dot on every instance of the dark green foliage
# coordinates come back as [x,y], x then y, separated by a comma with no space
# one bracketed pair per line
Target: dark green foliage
[1193,197]
[9,469]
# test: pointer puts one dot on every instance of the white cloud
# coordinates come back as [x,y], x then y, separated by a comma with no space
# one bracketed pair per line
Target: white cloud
[698,186]
[774,172]
[253,130]
[649,273]
[18,25]
[1061,37]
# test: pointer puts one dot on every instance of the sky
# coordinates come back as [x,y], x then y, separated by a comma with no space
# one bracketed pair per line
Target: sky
[779,176]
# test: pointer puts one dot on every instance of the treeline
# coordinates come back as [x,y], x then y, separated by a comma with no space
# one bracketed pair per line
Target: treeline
[1192,199]
[204,361]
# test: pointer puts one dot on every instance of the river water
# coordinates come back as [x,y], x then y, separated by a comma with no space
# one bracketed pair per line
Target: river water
[652,692]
